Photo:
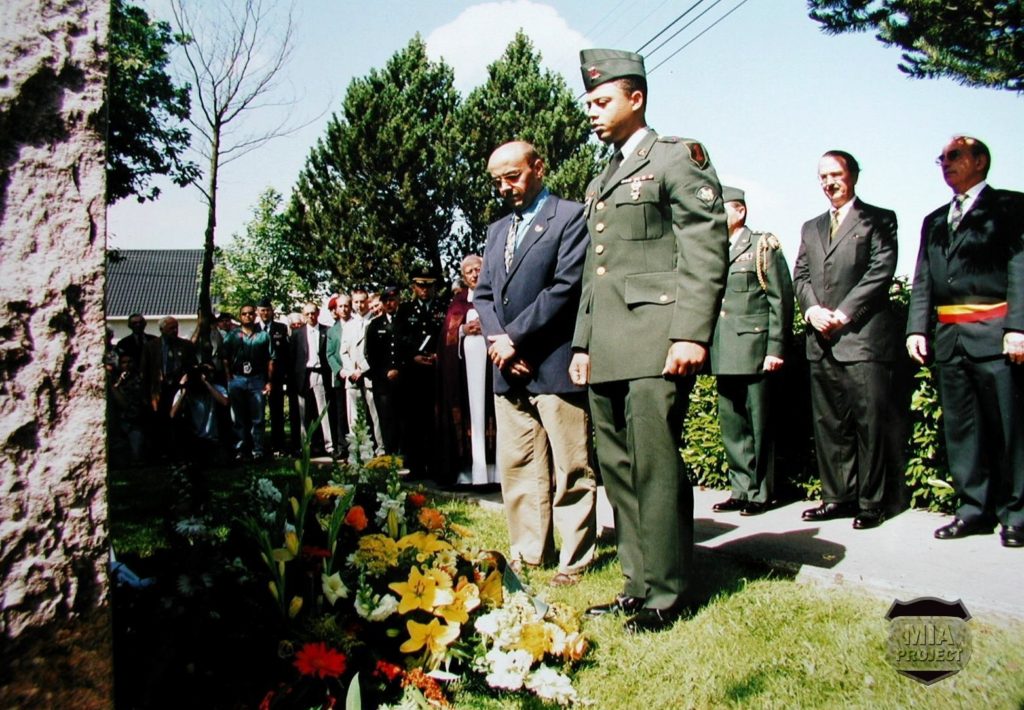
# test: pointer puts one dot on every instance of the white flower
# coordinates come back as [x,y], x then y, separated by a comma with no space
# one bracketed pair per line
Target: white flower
[487,624]
[387,606]
[508,669]
[373,607]
[551,685]
[334,588]
[191,527]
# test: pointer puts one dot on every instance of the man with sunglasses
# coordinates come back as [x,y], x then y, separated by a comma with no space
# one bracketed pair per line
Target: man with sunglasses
[969,282]
[248,355]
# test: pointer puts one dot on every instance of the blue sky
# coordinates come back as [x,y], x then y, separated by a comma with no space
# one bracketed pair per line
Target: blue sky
[764,90]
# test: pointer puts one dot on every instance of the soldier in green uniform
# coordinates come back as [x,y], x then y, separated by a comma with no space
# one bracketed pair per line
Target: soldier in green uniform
[749,342]
[652,282]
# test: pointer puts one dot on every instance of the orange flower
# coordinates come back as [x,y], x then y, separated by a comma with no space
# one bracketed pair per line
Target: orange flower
[356,519]
[319,659]
[431,518]
[417,499]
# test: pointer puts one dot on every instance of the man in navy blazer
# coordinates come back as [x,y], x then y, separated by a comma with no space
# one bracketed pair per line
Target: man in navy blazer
[969,286]
[843,272]
[527,297]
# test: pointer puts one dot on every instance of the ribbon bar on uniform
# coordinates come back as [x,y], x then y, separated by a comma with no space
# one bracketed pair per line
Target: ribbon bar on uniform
[971,312]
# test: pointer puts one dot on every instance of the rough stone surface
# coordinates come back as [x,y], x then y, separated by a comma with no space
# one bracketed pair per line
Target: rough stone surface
[53,513]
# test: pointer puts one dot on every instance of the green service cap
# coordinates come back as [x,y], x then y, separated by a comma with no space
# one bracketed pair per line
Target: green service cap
[733,194]
[601,65]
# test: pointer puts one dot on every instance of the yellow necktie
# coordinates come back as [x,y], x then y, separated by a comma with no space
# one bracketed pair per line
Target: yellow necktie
[833,225]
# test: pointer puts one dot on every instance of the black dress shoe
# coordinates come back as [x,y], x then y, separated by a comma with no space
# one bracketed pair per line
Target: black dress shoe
[829,511]
[652,620]
[867,519]
[619,605]
[1012,535]
[961,528]
[729,505]
[753,508]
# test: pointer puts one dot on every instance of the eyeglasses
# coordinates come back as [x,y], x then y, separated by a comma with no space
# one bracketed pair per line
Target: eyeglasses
[247,313]
[949,157]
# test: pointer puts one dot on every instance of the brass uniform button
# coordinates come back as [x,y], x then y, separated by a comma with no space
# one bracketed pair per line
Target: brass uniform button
[600,205]
[599,226]
[599,249]
[601,271]
[663,297]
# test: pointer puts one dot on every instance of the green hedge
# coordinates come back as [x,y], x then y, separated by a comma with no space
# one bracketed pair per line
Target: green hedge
[918,448]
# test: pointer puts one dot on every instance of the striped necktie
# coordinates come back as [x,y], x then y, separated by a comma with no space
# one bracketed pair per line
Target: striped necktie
[956,212]
[510,240]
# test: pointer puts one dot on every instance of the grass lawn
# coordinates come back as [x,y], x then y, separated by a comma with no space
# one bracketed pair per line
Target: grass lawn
[760,641]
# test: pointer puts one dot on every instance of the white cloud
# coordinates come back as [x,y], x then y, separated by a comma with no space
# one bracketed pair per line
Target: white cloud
[479,35]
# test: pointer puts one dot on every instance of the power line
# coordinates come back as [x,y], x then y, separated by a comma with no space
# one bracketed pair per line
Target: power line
[684,27]
[698,36]
[664,29]
[605,17]
[645,18]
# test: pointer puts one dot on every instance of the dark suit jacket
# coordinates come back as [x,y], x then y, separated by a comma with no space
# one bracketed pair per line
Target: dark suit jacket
[128,345]
[983,262]
[279,334]
[535,303]
[182,356]
[298,350]
[852,274]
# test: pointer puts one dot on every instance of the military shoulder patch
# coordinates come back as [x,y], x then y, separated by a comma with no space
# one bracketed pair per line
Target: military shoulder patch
[706,194]
[698,155]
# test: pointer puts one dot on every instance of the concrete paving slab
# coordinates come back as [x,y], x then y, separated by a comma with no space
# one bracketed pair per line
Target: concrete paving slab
[901,559]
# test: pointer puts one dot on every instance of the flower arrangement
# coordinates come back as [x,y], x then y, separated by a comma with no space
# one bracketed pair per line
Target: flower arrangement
[380,594]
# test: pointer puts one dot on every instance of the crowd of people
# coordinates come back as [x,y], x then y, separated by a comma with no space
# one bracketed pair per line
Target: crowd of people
[573,342]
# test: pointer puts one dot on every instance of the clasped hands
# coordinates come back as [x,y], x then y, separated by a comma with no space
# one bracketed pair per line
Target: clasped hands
[503,354]
[825,321]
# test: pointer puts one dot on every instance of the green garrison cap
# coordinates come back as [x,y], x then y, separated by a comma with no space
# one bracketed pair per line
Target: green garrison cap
[733,194]
[601,65]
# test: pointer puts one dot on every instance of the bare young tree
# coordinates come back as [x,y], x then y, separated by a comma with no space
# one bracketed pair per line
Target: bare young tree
[235,51]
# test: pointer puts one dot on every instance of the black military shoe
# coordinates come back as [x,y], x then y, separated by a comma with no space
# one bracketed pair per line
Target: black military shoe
[619,605]
[729,505]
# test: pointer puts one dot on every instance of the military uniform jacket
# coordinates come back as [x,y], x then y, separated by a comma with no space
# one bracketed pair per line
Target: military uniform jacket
[657,260]
[382,350]
[755,320]
[852,273]
[983,262]
[419,327]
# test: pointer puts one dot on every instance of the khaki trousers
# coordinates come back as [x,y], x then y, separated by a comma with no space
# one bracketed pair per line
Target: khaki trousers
[547,483]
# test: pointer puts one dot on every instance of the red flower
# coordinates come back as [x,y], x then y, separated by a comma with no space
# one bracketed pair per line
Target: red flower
[356,518]
[417,499]
[315,553]
[318,659]
[388,670]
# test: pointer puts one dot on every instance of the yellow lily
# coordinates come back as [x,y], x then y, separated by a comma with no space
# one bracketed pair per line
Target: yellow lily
[421,591]
[467,598]
[435,636]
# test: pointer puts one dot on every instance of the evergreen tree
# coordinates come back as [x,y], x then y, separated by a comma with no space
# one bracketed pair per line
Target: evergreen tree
[520,101]
[261,262]
[975,42]
[377,192]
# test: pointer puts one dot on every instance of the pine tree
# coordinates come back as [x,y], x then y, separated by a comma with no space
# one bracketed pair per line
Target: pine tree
[520,101]
[975,42]
[377,192]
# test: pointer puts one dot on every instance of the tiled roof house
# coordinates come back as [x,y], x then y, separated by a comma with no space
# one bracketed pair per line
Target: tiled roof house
[155,283]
